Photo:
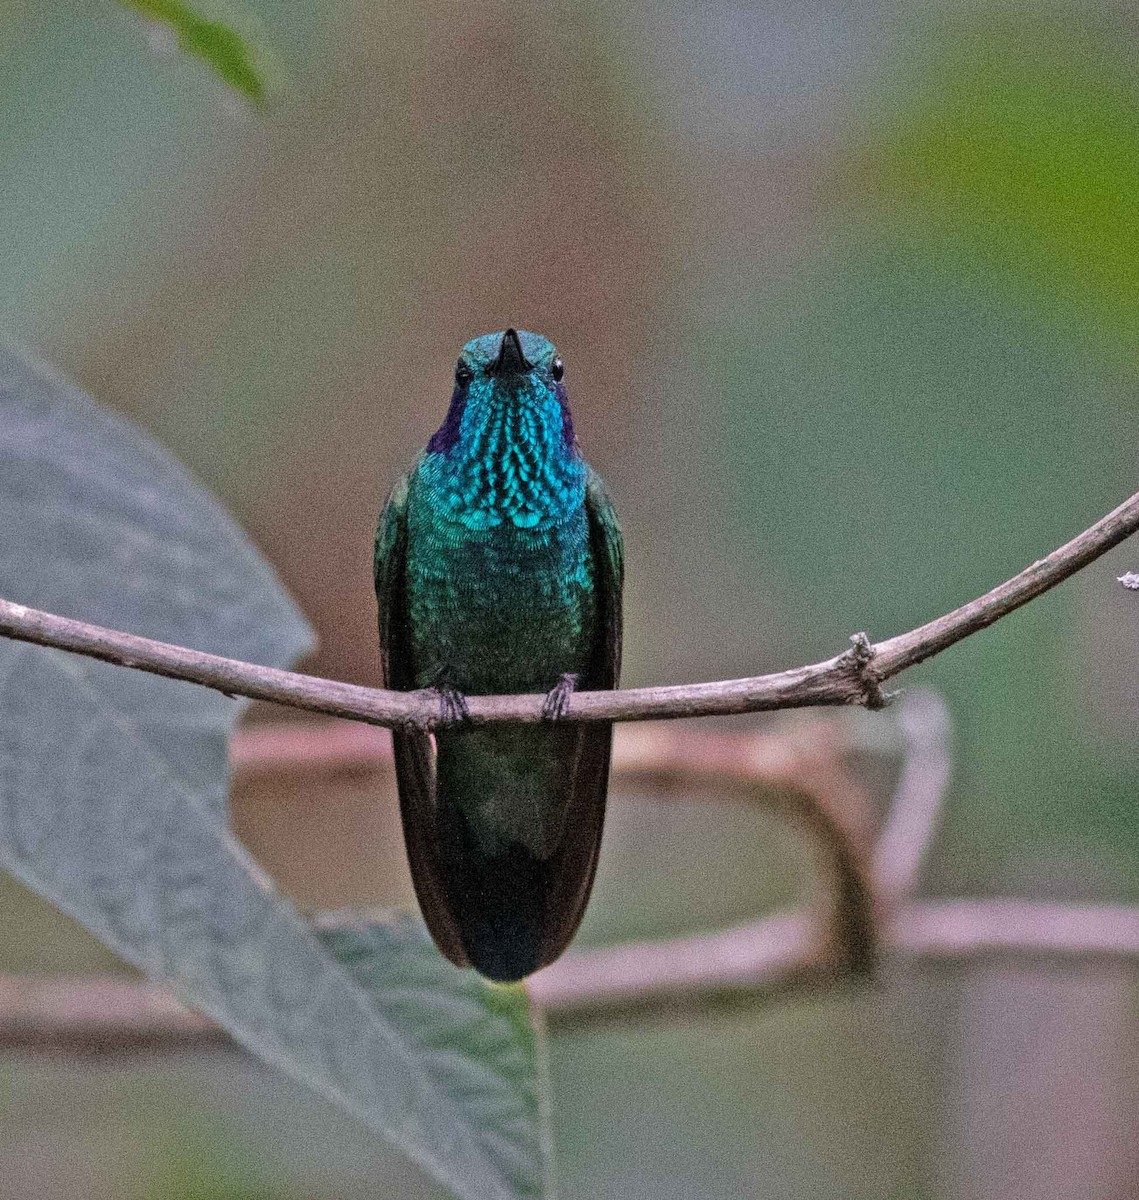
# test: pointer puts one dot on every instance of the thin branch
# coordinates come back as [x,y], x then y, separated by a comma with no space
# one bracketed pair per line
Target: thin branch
[916,808]
[649,754]
[96,1015]
[778,954]
[781,953]
[853,677]
[908,649]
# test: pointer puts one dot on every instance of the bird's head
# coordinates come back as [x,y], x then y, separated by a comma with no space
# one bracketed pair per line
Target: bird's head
[511,381]
[507,444]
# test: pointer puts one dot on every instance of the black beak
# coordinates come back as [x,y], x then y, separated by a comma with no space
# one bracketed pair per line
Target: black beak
[510,360]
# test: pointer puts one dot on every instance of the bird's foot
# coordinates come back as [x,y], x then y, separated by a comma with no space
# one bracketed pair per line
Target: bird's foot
[558,698]
[442,707]
[452,706]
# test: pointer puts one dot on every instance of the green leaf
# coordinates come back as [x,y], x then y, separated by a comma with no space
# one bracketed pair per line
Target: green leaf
[485,1048]
[112,787]
[231,54]
[99,523]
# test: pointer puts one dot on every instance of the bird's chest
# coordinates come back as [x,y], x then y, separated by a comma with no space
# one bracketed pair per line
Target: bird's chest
[500,609]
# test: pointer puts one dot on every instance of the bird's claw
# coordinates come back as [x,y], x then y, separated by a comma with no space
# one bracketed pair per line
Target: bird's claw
[557,701]
[452,706]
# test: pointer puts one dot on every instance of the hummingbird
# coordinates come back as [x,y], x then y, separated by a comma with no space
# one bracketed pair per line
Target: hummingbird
[499,569]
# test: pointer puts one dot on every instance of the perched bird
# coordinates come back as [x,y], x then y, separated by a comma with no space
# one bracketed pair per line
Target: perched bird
[499,570]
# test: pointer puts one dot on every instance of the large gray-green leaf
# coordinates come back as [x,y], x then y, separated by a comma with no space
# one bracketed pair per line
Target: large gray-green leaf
[422,1053]
[482,1042]
[111,804]
[100,524]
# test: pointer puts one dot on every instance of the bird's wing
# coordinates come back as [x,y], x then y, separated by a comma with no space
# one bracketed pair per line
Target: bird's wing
[414,765]
[391,578]
[575,861]
[609,564]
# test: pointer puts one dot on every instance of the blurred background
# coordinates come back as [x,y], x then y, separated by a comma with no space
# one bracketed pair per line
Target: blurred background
[848,296]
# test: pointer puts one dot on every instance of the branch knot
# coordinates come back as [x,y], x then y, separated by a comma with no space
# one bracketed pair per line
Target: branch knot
[861,655]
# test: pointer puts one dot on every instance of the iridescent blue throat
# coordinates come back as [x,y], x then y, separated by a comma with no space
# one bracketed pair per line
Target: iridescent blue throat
[506,455]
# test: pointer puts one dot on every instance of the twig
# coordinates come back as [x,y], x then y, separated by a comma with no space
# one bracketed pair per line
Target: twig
[105,1014]
[912,820]
[780,953]
[797,773]
[853,677]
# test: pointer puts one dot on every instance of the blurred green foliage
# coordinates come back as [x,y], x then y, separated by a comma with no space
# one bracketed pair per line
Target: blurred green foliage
[1019,146]
[198,1160]
[241,63]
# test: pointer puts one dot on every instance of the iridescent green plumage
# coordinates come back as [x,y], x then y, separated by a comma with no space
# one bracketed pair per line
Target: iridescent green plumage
[499,569]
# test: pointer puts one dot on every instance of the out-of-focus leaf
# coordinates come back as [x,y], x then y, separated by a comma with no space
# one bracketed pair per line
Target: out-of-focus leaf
[231,54]
[111,804]
[99,523]
[1021,145]
[92,820]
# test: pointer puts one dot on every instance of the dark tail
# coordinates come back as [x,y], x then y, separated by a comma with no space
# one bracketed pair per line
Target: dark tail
[519,819]
[499,900]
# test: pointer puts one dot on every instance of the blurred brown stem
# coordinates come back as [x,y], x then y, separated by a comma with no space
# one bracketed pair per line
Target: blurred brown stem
[782,953]
[853,677]
[777,955]
[915,811]
[797,772]
[797,768]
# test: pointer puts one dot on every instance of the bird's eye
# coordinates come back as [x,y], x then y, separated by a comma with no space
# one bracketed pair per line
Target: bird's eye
[557,369]
[463,373]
